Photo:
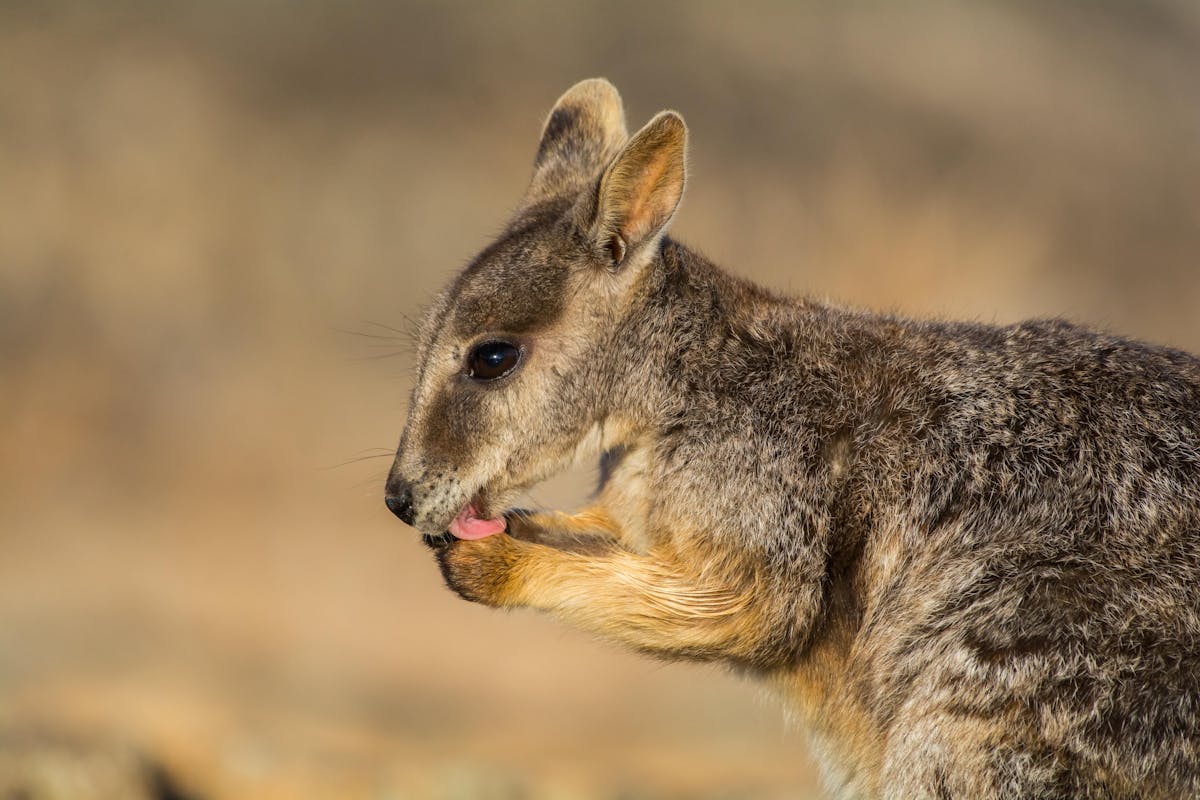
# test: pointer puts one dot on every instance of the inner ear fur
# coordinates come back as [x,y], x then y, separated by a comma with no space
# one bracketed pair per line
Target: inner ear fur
[641,189]
[584,130]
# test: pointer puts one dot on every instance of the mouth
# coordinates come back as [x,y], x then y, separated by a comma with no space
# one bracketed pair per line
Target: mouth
[470,524]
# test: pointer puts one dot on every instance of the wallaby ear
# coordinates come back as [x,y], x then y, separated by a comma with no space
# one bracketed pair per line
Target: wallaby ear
[584,130]
[641,189]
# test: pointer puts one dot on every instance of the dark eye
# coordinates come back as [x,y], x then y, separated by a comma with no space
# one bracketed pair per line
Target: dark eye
[492,360]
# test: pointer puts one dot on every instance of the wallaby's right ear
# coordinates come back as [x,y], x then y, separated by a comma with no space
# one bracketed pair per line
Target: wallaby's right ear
[584,130]
[641,189]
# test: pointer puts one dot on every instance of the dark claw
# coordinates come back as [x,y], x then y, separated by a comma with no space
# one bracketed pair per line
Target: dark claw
[439,542]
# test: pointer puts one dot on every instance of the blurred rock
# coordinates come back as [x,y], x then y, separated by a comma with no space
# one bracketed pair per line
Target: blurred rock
[39,766]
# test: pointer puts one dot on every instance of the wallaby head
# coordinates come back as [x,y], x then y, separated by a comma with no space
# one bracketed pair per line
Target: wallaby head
[517,371]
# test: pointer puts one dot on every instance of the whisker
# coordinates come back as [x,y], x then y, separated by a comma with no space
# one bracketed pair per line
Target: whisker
[409,332]
[381,356]
[397,341]
[365,335]
[355,461]
[375,480]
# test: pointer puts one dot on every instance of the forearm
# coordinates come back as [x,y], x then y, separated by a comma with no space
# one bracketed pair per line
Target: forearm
[649,602]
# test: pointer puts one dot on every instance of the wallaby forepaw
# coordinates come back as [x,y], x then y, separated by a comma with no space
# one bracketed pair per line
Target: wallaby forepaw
[480,570]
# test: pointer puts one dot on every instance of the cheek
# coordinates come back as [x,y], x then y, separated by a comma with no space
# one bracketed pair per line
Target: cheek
[456,427]
[477,432]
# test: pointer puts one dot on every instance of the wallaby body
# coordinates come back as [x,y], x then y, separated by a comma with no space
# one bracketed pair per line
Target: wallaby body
[968,556]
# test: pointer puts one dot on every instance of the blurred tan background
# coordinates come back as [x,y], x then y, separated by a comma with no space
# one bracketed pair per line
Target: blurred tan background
[217,218]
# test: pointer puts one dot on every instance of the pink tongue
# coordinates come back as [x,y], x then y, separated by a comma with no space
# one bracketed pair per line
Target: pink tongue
[468,525]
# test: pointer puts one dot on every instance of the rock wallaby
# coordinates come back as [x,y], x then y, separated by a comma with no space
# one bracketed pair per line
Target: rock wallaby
[967,556]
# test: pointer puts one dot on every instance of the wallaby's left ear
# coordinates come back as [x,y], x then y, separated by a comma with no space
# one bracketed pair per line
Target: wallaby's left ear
[641,189]
[584,130]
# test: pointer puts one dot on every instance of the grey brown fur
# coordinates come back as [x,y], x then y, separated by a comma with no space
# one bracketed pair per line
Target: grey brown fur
[967,556]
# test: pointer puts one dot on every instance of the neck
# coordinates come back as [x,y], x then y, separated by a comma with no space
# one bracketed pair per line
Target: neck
[691,325]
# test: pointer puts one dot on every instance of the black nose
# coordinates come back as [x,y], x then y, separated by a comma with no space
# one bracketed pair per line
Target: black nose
[400,504]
